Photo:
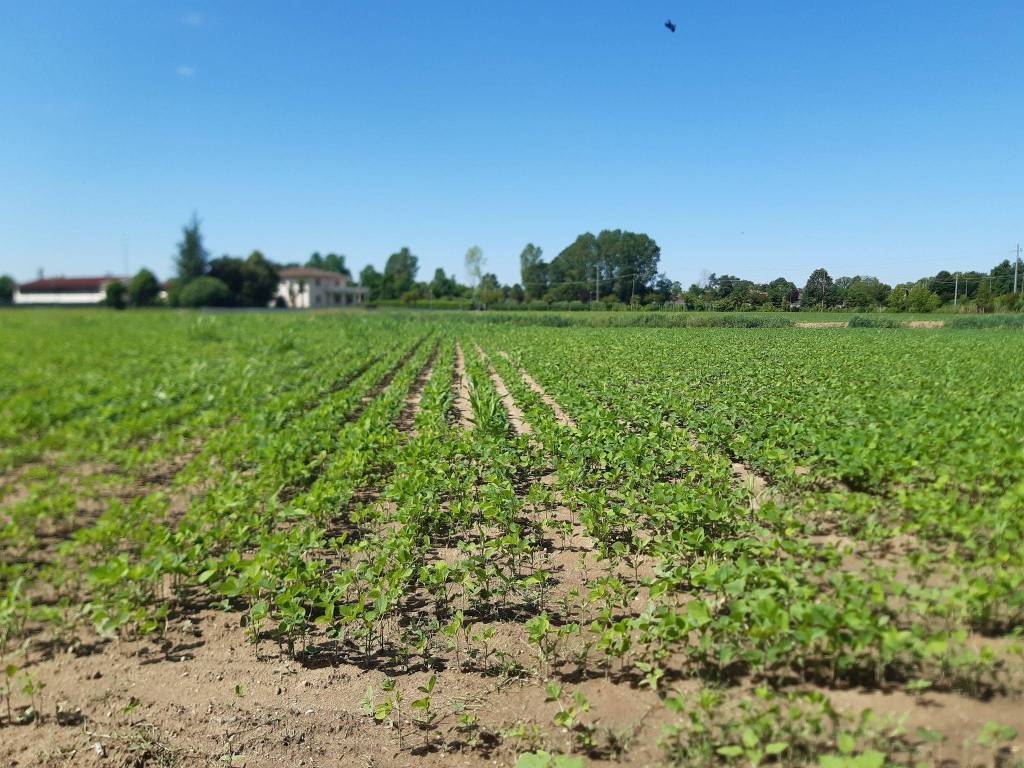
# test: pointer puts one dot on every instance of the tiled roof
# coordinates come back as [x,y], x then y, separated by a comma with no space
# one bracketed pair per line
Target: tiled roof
[68,284]
[295,273]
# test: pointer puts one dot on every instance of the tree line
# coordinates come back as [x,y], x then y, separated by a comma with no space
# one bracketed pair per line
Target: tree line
[982,292]
[613,269]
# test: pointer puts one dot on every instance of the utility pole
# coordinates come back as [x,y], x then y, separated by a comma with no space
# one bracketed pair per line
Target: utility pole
[597,284]
[1015,263]
[956,288]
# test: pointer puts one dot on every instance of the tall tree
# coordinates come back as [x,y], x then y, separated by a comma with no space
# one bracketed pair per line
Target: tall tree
[474,266]
[629,260]
[400,274]
[614,262]
[818,291]
[192,257]
[533,271]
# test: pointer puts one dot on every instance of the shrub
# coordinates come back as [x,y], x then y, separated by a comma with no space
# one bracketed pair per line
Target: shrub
[205,292]
[116,297]
[144,289]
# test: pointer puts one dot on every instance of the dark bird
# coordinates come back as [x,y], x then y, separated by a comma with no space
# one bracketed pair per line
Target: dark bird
[670,26]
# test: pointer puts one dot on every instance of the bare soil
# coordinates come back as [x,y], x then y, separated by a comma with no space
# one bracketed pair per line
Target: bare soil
[460,387]
[202,696]
[407,418]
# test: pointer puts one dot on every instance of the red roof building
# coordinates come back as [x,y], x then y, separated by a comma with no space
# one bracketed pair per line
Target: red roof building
[65,290]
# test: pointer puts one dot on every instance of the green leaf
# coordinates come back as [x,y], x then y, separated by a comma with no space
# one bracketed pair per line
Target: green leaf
[846,743]
[730,751]
[539,759]
[869,759]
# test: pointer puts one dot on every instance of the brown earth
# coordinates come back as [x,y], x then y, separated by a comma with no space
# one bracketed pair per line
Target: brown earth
[203,696]
[460,387]
[407,418]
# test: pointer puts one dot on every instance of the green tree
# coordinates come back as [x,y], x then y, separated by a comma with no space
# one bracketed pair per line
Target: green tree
[865,292]
[332,262]
[116,295]
[1003,278]
[572,273]
[489,290]
[984,298]
[144,289]
[442,286]
[372,280]
[252,281]
[920,299]
[533,271]
[779,290]
[897,298]
[205,292]
[7,286]
[943,284]
[191,261]
[615,261]
[399,274]
[260,281]
[819,290]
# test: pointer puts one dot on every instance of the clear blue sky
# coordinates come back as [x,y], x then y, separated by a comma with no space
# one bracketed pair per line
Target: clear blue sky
[762,138]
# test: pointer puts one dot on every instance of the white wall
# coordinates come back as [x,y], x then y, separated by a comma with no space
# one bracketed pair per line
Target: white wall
[307,299]
[59,298]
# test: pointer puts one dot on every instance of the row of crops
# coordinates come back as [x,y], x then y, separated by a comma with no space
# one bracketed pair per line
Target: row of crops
[722,530]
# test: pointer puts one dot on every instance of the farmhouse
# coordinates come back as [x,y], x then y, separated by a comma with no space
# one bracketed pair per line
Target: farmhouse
[65,290]
[309,288]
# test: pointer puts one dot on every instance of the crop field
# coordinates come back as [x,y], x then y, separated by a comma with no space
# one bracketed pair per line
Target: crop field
[380,539]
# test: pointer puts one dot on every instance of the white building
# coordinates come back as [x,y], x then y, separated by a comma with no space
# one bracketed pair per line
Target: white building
[66,290]
[308,288]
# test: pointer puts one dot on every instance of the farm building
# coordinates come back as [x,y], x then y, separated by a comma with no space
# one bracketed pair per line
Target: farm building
[309,288]
[65,290]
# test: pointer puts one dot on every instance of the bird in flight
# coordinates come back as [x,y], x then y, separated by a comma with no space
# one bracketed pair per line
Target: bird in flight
[670,26]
